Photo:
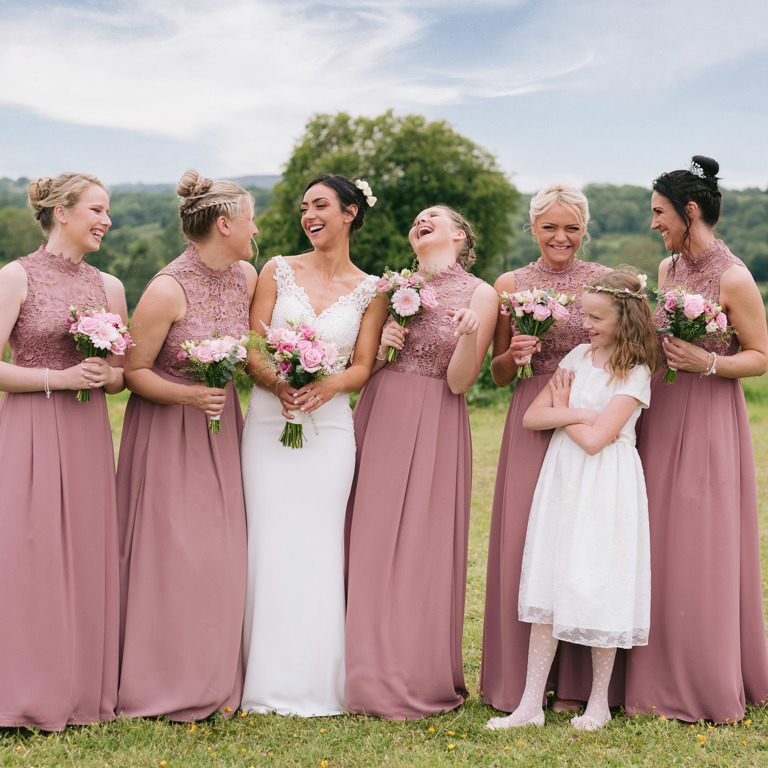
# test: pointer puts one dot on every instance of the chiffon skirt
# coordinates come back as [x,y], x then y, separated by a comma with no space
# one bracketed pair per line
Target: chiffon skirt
[707,654]
[408,521]
[182,561]
[505,637]
[58,561]
[296,499]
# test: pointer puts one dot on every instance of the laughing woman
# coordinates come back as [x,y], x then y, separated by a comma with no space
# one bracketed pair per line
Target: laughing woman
[408,513]
[58,531]
[180,498]
[706,656]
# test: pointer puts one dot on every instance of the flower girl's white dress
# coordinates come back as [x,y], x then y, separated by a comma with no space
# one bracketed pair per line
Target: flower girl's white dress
[296,500]
[586,565]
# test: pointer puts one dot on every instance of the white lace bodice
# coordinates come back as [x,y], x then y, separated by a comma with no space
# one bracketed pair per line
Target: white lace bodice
[339,323]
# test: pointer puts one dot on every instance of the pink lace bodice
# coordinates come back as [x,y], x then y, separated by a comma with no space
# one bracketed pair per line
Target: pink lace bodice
[561,337]
[40,338]
[430,342]
[703,277]
[217,303]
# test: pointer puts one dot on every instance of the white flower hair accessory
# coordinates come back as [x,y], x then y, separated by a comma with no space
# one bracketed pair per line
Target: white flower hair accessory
[643,281]
[696,170]
[365,188]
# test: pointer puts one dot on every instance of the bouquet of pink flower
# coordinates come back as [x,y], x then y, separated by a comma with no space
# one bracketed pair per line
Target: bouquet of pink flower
[535,311]
[690,317]
[298,354]
[216,362]
[97,334]
[408,295]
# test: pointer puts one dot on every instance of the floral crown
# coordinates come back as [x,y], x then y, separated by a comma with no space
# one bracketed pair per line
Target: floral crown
[622,293]
[365,188]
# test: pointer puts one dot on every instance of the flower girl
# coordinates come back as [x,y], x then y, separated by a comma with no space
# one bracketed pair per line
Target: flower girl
[586,566]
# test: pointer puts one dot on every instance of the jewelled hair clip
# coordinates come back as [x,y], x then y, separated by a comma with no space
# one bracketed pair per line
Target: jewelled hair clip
[696,170]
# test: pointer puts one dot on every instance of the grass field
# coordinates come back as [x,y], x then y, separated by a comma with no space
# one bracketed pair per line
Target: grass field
[454,738]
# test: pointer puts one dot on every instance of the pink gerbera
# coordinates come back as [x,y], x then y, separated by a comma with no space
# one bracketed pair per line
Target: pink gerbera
[405,301]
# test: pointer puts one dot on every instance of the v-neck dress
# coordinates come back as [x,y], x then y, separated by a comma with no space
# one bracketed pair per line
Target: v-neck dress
[295,501]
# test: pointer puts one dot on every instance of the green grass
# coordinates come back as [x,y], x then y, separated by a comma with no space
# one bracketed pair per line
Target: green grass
[455,738]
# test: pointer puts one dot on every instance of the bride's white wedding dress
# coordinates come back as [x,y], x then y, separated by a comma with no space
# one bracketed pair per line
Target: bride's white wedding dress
[296,500]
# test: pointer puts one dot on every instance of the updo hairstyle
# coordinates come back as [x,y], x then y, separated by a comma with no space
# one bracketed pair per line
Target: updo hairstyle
[347,194]
[466,257]
[684,186]
[635,339]
[45,193]
[564,194]
[203,201]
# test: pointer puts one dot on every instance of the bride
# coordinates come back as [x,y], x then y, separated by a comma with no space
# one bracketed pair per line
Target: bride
[293,639]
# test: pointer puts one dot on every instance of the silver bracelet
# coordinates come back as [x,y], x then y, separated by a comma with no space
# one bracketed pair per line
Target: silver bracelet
[45,385]
[383,356]
[712,368]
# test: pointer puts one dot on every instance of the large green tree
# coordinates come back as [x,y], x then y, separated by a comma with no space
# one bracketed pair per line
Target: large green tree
[411,164]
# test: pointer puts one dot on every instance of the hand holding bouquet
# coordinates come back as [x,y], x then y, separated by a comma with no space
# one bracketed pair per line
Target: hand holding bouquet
[298,354]
[97,334]
[408,296]
[215,362]
[535,311]
[690,316]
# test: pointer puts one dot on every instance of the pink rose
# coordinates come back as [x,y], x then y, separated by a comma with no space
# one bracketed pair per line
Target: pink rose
[311,359]
[383,284]
[670,303]
[428,298]
[721,321]
[183,355]
[90,326]
[529,306]
[559,312]
[541,313]
[119,345]
[284,366]
[307,331]
[693,306]
[304,344]
[204,354]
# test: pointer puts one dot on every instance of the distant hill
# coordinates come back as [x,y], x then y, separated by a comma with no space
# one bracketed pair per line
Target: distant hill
[260,182]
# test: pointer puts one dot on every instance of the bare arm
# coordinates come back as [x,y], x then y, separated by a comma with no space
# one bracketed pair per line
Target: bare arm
[609,422]
[163,304]
[550,409]
[509,352]
[114,379]
[474,326]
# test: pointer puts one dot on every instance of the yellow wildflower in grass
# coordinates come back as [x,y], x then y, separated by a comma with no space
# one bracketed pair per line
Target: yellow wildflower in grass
[451,746]
[463,736]
[243,714]
[322,730]
[663,717]
[450,733]
[323,764]
[520,743]
[163,762]
[746,722]
[744,742]
[431,729]
[243,749]
[227,709]
[701,737]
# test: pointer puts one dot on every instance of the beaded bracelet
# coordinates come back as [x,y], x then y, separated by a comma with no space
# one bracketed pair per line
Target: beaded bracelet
[383,356]
[712,368]
[45,385]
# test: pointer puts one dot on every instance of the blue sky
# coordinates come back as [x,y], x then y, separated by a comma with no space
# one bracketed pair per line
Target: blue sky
[578,90]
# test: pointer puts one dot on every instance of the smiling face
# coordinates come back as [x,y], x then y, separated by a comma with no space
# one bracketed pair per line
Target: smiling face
[84,224]
[600,319]
[243,228]
[322,217]
[434,227]
[558,232]
[667,222]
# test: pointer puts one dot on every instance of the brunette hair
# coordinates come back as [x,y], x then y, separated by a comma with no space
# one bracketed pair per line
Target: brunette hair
[347,194]
[635,339]
[66,189]
[566,195]
[683,186]
[203,201]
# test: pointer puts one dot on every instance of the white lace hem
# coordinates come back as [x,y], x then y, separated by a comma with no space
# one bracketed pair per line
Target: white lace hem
[595,638]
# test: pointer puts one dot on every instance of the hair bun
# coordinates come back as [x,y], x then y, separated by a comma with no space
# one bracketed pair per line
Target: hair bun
[192,184]
[38,190]
[710,167]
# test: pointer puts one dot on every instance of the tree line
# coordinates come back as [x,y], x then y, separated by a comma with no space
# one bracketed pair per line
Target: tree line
[411,164]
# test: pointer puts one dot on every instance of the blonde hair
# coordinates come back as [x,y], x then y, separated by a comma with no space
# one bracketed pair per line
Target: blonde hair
[635,339]
[563,194]
[66,189]
[466,257]
[203,201]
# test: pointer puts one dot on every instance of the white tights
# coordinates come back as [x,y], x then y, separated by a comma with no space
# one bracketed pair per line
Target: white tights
[541,652]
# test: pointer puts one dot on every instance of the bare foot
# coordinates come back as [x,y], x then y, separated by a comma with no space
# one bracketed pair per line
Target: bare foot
[516,720]
[565,705]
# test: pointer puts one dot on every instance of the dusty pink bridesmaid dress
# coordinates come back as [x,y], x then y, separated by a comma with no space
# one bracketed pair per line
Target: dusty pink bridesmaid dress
[707,655]
[58,527]
[408,521]
[182,525]
[505,638]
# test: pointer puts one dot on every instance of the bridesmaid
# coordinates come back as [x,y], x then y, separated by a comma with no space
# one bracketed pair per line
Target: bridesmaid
[707,656]
[58,539]
[559,216]
[408,513]
[180,498]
